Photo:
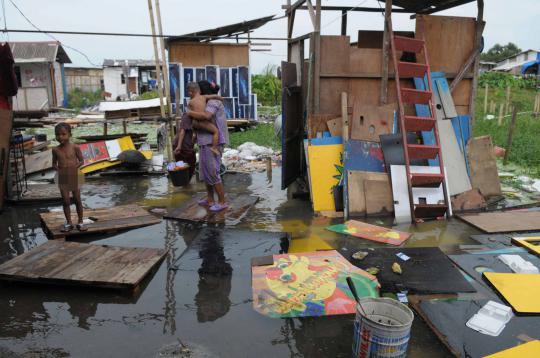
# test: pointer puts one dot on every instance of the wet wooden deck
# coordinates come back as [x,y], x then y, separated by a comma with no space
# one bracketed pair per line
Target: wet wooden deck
[38,194]
[72,263]
[106,220]
[191,211]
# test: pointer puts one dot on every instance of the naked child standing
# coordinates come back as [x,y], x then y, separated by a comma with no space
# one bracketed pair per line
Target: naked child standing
[67,159]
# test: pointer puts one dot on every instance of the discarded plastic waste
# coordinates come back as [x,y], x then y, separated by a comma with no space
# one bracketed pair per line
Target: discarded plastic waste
[359,255]
[372,270]
[384,331]
[491,319]
[518,264]
[402,256]
[396,268]
[176,166]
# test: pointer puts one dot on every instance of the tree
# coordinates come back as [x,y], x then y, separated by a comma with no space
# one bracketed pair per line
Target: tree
[267,86]
[498,53]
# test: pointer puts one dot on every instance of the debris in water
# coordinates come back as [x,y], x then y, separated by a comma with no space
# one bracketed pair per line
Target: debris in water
[360,255]
[396,268]
[372,270]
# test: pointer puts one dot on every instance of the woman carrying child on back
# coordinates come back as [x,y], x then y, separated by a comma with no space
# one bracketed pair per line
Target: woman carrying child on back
[67,159]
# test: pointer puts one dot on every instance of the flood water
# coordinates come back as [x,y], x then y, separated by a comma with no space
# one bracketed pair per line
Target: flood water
[209,313]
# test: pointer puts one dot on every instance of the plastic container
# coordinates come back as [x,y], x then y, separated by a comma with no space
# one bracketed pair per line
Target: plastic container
[385,329]
[180,177]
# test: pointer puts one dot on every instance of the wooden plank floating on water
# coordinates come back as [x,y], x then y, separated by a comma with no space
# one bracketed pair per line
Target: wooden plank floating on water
[108,220]
[191,211]
[38,193]
[504,221]
[71,263]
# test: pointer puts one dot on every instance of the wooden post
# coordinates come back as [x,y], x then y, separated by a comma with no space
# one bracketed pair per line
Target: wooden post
[317,72]
[164,59]
[507,100]
[386,51]
[492,106]
[536,107]
[269,169]
[343,23]
[476,66]
[124,126]
[156,58]
[501,112]
[345,134]
[105,129]
[510,135]
[486,98]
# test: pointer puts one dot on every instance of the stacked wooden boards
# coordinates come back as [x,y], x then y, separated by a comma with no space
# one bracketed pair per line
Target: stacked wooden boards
[70,263]
[106,220]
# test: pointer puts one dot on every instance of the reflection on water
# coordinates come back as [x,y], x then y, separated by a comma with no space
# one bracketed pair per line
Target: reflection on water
[205,304]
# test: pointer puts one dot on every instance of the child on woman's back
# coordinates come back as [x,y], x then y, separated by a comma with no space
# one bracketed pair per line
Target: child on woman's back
[198,104]
[67,159]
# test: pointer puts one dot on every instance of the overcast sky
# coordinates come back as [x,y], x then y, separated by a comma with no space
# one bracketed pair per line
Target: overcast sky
[516,21]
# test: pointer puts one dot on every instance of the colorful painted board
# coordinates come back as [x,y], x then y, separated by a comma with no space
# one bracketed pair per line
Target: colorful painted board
[364,156]
[309,284]
[526,350]
[125,143]
[322,166]
[94,152]
[225,82]
[371,232]
[521,291]
[531,243]
[243,85]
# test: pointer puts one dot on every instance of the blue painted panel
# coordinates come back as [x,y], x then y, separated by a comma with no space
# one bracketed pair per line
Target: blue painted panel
[326,141]
[364,156]
[461,125]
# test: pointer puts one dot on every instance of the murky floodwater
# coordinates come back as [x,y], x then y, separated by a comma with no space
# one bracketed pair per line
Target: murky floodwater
[211,314]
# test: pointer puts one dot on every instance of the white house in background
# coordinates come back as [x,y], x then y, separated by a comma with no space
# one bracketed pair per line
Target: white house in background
[514,63]
[124,79]
[39,66]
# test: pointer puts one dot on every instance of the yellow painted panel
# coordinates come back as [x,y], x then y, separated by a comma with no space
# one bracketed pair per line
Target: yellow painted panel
[98,166]
[312,243]
[126,143]
[322,168]
[528,242]
[520,290]
[526,350]
[147,154]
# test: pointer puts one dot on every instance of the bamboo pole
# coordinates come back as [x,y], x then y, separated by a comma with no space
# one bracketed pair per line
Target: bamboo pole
[501,112]
[385,52]
[345,134]
[507,100]
[492,106]
[156,58]
[510,135]
[486,98]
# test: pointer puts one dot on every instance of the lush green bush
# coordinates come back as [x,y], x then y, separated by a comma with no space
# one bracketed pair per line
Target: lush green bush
[149,95]
[498,53]
[267,87]
[78,99]
[503,80]
[262,134]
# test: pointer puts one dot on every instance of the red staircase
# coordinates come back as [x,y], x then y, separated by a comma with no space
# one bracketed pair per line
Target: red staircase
[409,123]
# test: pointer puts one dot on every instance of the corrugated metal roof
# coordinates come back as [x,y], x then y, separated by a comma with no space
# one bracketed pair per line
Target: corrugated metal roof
[222,32]
[131,63]
[427,6]
[39,51]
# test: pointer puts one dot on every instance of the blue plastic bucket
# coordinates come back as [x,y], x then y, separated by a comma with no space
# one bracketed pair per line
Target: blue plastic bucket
[384,330]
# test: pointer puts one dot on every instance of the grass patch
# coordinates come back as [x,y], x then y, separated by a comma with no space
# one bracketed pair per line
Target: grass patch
[525,151]
[262,134]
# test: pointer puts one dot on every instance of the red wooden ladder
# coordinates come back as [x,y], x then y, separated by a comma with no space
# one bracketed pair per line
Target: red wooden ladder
[409,123]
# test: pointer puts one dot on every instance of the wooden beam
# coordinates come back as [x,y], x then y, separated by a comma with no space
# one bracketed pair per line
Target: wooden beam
[479,30]
[431,10]
[345,135]
[156,59]
[317,73]
[343,22]
[386,51]
[465,67]
[378,75]
[355,9]
[294,6]
[312,14]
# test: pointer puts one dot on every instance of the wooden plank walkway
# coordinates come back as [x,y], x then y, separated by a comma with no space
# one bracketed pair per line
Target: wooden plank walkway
[191,211]
[504,221]
[108,220]
[38,194]
[72,263]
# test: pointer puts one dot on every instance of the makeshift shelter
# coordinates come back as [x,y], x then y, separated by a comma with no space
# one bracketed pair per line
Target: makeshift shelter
[350,88]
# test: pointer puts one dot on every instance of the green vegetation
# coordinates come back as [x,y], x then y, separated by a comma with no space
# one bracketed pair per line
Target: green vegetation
[266,112]
[262,134]
[267,86]
[525,151]
[498,53]
[149,95]
[78,99]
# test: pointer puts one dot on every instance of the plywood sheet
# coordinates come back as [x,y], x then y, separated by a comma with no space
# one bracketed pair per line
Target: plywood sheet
[427,271]
[108,220]
[521,291]
[38,162]
[309,284]
[317,123]
[483,166]
[356,189]
[368,122]
[191,54]
[191,211]
[379,199]
[335,126]
[322,169]
[364,156]
[70,263]
[330,94]
[504,221]
[334,54]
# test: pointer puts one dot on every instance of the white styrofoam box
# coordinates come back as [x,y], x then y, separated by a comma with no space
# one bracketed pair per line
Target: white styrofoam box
[518,264]
[400,191]
[491,319]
